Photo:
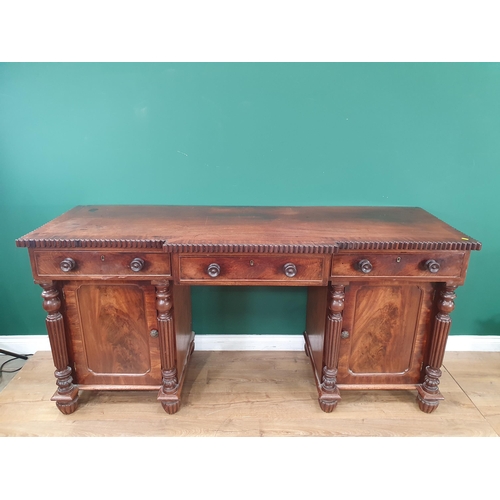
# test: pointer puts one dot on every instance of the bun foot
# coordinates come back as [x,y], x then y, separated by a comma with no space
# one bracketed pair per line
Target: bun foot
[67,402]
[172,407]
[428,402]
[68,408]
[328,406]
[427,406]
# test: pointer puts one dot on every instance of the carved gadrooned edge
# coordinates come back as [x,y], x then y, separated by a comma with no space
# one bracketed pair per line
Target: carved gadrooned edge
[89,243]
[409,245]
[248,248]
[176,247]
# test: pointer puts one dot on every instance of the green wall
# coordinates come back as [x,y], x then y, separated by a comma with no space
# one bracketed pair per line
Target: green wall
[412,134]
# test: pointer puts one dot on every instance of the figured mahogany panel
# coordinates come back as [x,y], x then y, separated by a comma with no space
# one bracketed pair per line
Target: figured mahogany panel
[71,264]
[386,328]
[251,269]
[114,328]
[433,266]
[110,326]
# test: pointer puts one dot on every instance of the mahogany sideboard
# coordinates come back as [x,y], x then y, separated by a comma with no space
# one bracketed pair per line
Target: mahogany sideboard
[116,287]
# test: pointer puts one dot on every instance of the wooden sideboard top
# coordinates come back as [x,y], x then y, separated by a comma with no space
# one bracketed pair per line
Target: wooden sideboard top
[248,229]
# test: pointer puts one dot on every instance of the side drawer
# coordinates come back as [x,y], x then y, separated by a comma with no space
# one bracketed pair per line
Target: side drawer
[249,269]
[69,264]
[432,265]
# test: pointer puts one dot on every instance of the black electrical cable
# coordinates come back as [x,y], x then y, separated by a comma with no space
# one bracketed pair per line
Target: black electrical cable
[16,356]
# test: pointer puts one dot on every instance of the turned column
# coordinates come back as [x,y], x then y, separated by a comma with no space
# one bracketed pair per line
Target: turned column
[170,384]
[66,396]
[329,392]
[428,392]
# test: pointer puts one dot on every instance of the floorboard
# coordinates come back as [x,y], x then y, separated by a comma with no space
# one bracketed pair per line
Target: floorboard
[257,394]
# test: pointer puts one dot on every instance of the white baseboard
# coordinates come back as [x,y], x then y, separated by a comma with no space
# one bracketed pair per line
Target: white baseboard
[29,344]
[24,344]
[249,343]
[473,343]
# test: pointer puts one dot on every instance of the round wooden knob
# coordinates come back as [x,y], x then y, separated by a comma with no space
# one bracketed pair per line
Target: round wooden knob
[432,266]
[213,270]
[67,264]
[290,270]
[136,265]
[365,266]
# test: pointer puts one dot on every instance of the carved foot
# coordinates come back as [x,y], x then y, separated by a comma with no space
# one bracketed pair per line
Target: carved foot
[169,400]
[67,409]
[66,403]
[429,397]
[327,405]
[171,407]
[427,407]
[329,398]
[66,396]
[428,402]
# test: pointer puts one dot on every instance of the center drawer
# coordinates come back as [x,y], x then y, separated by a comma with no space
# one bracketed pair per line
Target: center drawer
[249,269]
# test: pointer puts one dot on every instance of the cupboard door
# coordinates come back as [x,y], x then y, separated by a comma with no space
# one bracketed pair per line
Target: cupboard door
[110,327]
[385,329]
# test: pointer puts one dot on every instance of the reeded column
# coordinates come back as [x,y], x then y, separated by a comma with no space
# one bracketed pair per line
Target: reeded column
[329,392]
[428,393]
[170,384]
[66,397]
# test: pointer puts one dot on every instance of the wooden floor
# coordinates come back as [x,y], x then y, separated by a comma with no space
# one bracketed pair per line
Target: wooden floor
[257,394]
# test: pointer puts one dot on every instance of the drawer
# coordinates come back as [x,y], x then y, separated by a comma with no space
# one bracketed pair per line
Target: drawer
[431,265]
[82,264]
[251,269]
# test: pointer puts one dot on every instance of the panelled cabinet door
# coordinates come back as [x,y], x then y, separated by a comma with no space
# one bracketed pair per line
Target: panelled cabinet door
[113,333]
[384,332]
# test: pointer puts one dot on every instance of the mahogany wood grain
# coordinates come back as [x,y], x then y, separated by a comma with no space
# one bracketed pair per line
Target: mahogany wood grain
[176,341]
[429,396]
[315,328]
[168,394]
[66,397]
[109,326]
[329,394]
[401,265]
[114,328]
[184,334]
[100,265]
[248,229]
[388,325]
[116,289]
[252,269]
